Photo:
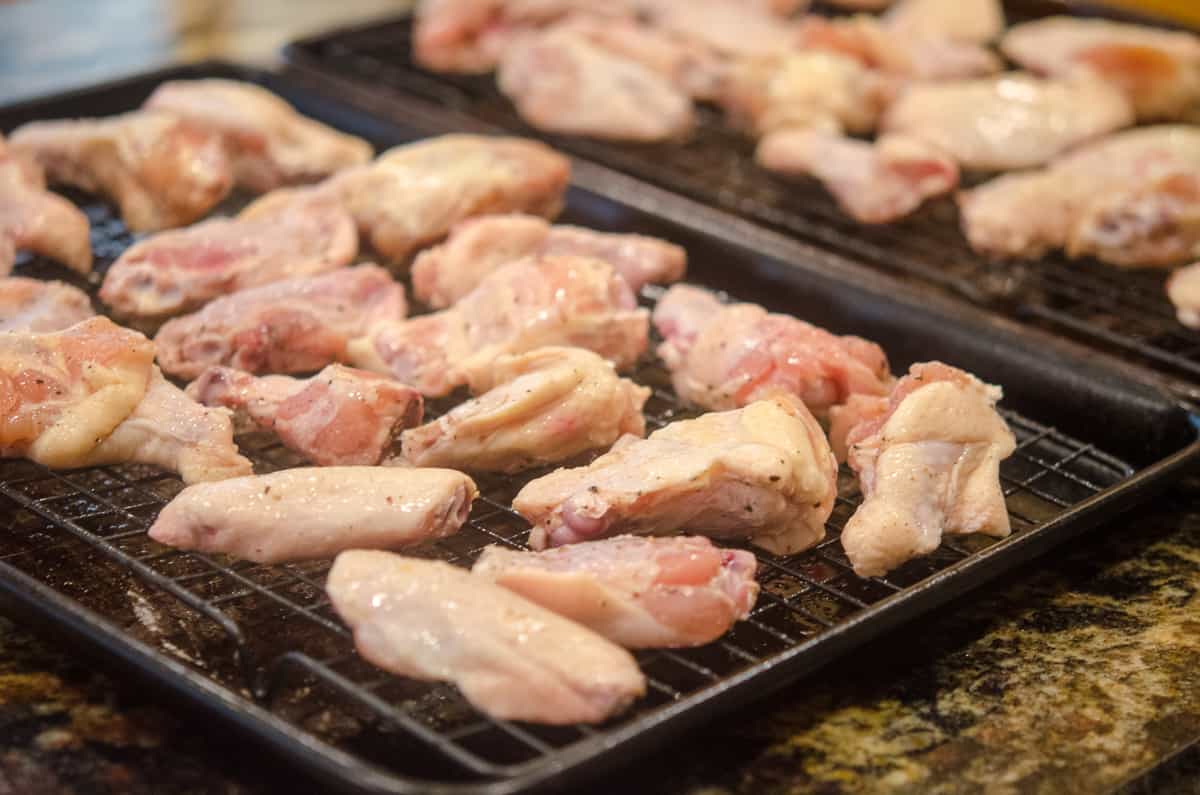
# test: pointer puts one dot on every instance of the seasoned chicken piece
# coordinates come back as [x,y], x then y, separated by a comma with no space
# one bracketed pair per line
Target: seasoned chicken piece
[170,430]
[1008,122]
[183,269]
[1183,288]
[289,326]
[536,408]
[726,356]
[443,274]
[300,514]
[763,472]
[38,306]
[730,28]
[824,90]
[976,21]
[339,417]
[512,659]
[636,591]
[269,142]
[63,393]
[562,82]
[1132,199]
[1159,70]
[33,218]
[928,465]
[873,183]
[527,304]
[162,171]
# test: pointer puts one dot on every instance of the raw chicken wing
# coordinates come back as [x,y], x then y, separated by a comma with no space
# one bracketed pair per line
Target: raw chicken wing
[39,306]
[928,465]
[536,408]
[975,21]
[763,472]
[512,659]
[1183,288]
[339,417]
[636,591]
[730,28]
[32,218]
[445,273]
[300,514]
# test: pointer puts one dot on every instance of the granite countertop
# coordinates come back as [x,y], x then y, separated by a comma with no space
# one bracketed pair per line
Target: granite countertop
[1080,673]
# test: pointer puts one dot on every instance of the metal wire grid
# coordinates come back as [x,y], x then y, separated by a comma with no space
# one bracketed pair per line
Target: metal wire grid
[290,651]
[1122,311]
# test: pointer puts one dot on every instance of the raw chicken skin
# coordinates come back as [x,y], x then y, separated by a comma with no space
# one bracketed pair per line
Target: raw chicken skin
[162,171]
[536,408]
[562,82]
[32,218]
[339,417]
[638,592]
[269,143]
[1159,70]
[928,465]
[873,183]
[1132,199]
[731,28]
[974,21]
[527,304]
[763,472]
[289,326]
[726,356]
[1183,288]
[1008,122]
[301,514]
[181,270]
[63,393]
[443,274]
[512,659]
[39,306]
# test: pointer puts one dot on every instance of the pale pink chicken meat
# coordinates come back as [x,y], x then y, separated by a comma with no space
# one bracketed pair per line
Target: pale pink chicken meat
[527,304]
[40,306]
[873,183]
[1131,199]
[162,171]
[928,465]
[637,591]
[730,28]
[535,408]
[1010,121]
[445,273]
[974,21]
[561,81]
[183,269]
[339,417]
[1183,289]
[512,659]
[1159,70]
[269,143]
[723,356]
[308,513]
[763,472]
[33,219]
[290,326]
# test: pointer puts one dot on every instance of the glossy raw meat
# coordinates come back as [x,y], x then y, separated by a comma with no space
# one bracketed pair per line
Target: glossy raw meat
[976,21]
[726,356]
[728,27]
[527,304]
[269,142]
[928,465]
[298,514]
[162,171]
[1183,288]
[1132,199]
[873,183]
[562,82]
[290,326]
[512,659]
[39,306]
[181,270]
[32,218]
[536,408]
[763,472]
[339,417]
[1008,122]
[445,273]
[1159,70]
[636,591]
